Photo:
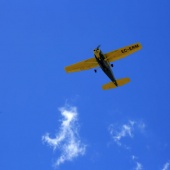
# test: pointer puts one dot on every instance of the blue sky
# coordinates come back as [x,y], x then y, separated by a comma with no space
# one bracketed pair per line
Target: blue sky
[124,128]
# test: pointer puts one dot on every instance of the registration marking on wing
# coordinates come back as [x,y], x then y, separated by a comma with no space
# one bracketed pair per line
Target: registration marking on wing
[130,48]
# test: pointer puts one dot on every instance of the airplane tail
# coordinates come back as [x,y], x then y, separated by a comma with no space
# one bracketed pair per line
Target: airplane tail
[120,82]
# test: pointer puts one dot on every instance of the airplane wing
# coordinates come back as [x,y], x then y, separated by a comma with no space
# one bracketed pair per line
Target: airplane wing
[83,65]
[122,52]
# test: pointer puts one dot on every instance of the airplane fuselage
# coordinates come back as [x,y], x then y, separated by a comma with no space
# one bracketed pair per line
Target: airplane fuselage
[105,65]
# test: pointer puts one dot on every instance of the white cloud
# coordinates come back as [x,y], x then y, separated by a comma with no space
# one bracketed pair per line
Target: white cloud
[138,166]
[134,157]
[166,166]
[121,132]
[67,139]
[125,130]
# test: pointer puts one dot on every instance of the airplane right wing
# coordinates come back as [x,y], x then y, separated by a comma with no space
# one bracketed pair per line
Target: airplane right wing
[83,65]
[122,52]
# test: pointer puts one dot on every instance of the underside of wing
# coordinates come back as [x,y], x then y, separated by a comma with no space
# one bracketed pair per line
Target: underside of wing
[83,65]
[122,52]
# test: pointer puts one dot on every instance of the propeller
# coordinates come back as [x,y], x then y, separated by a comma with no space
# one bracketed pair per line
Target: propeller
[98,47]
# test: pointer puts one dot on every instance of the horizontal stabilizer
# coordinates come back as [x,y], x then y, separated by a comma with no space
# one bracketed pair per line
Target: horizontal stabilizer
[120,82]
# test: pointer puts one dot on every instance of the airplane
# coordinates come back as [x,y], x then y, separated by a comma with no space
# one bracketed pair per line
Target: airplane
[103,61]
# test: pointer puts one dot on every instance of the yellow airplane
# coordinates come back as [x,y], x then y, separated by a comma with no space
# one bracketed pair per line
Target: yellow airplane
[103,60]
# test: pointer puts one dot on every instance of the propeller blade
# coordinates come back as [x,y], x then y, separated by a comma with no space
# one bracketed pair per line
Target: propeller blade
[98,46]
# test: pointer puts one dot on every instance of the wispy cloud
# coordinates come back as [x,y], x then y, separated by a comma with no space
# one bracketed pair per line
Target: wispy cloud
[67,139]
[125,130]
[166,166]
[138,164]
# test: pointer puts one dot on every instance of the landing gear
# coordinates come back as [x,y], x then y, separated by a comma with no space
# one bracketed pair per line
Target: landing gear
[95,71]
[112,65]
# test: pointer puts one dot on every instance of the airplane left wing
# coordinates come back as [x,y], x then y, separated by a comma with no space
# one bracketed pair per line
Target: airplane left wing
[122,52]
[83,65]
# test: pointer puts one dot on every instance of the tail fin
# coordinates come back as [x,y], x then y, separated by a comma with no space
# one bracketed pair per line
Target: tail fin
[120,82]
